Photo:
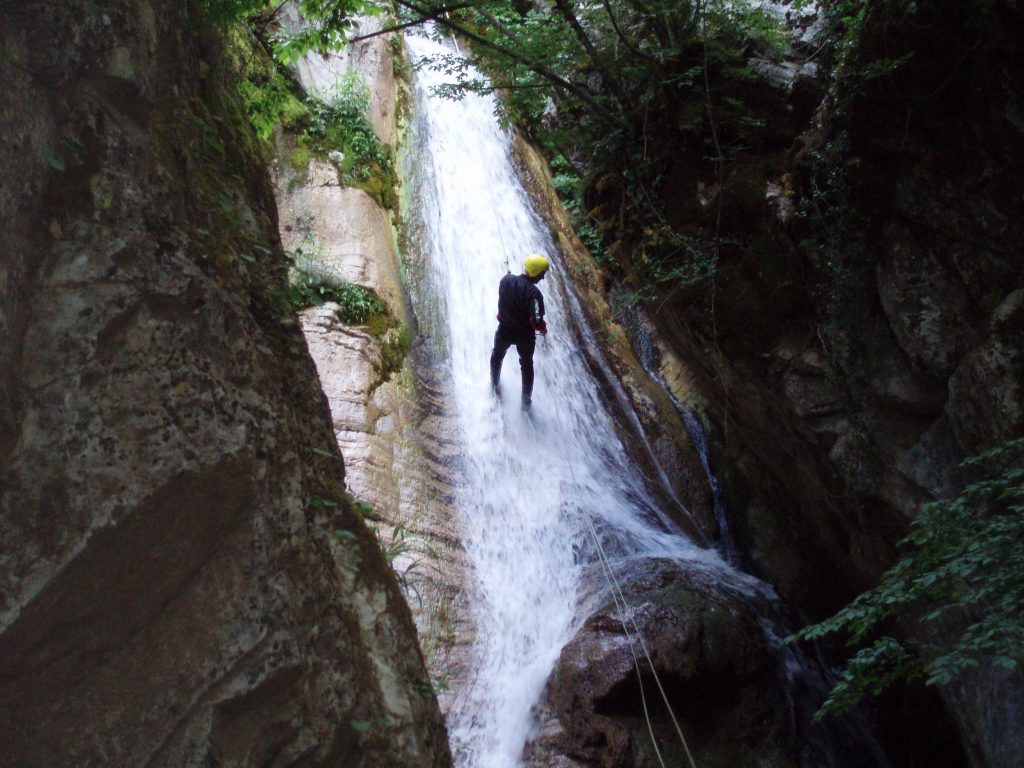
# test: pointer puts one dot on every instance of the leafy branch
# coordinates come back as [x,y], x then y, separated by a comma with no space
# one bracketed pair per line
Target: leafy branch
[961,576]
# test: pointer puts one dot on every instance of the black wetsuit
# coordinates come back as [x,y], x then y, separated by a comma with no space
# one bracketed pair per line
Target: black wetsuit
[520,316]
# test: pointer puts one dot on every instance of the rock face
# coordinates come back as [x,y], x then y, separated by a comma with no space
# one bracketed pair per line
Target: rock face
[661,442]
[846,381]
[740,697]
[172,591]
[372,59]
[392,426]
[737,697]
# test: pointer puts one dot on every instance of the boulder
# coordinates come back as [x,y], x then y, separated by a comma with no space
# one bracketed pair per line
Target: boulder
[715,647]
[986,392]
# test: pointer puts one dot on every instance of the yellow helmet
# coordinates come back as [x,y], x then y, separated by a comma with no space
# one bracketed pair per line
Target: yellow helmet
[536,265]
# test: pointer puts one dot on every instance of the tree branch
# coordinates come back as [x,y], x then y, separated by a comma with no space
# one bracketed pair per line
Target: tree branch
[594,106]
[595,57]
[413,23]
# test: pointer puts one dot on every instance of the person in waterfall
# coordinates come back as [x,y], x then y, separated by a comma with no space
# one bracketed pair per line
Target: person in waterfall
[520,319]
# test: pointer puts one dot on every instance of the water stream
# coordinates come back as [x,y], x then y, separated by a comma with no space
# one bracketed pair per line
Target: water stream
[526,482]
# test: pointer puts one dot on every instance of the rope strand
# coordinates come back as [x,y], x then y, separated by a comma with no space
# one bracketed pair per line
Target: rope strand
[617,597]
[623,608]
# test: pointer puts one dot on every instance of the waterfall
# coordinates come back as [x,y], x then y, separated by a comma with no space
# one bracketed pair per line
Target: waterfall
[534,493]
[526,482]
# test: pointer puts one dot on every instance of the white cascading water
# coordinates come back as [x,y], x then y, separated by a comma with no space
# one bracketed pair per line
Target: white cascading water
[526,484]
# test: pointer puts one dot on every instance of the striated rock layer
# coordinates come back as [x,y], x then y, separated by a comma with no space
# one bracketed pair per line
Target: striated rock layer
[171,591]
[393,426]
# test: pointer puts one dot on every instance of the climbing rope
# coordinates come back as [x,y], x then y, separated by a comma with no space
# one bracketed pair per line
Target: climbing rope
[487,179]
[622,609]
[623,606]
[497,221]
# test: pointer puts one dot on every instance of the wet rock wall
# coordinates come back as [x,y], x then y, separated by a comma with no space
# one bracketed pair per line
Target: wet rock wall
[390,417]
[866,335]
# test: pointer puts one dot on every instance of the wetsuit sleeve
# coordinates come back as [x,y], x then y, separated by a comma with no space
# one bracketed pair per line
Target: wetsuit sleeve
[537,308]
[537,313]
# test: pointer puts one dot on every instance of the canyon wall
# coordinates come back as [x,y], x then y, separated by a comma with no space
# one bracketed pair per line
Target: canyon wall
[184,581]
[867,327]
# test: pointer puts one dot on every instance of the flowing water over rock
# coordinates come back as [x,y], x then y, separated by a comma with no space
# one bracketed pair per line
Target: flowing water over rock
[529,486]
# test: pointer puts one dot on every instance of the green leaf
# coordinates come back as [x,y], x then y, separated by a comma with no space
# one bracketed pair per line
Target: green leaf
[74,145]
[51,158]
[963,553]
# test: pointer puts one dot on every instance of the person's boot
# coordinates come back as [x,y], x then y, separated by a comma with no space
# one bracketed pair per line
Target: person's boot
[495,373]
[527,388]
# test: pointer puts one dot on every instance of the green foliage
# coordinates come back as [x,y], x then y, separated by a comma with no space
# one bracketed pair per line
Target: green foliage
[569,186]
[397,549]
[299,160]
[356,304]
[328,22]
[339,123]
[839,235]
[310,286]
[267,92]
[610,90]
[395,345]
[848,20]
[961,573]
[231,11]
[270,103]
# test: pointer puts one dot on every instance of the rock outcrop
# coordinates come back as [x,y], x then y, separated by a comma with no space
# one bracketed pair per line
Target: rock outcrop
[390,415]
[737,696]
[857,353]
[173,588]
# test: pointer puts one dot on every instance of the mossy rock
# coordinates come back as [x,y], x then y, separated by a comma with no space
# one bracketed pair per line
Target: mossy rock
[380,186]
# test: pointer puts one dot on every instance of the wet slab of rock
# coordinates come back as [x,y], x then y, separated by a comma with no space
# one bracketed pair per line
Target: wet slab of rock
[401,460]
[651,422]
[342,232]
[344,358]
[732,688]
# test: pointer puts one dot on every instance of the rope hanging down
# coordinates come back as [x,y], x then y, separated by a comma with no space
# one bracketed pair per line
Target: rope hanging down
[497,222]
[621,605]
[486,178]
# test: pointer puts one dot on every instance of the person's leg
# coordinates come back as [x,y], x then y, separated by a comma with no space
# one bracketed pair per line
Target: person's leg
[525,345]
[501,345]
